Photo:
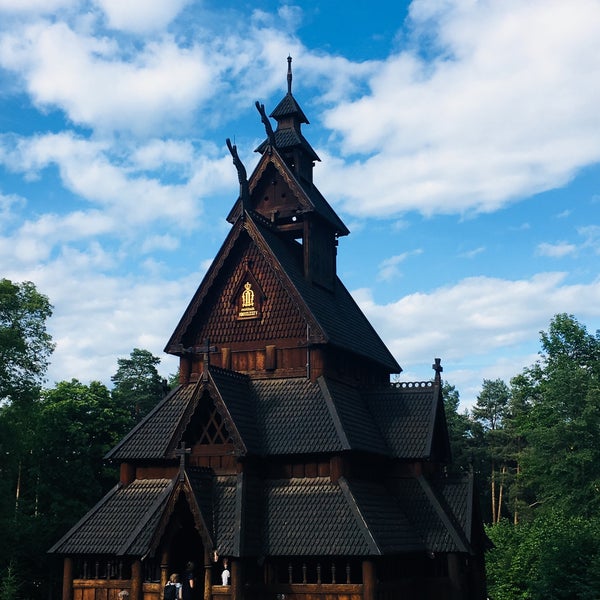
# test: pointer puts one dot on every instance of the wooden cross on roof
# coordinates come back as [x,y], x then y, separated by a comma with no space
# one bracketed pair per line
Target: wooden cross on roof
[206,349]
[181,452]
[437,367]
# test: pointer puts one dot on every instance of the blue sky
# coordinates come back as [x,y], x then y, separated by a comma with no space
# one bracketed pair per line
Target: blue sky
[459,142]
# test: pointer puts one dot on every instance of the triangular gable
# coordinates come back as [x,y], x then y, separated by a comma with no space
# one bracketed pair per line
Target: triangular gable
[326,313]
[157,434]
[122,523]
[306,196]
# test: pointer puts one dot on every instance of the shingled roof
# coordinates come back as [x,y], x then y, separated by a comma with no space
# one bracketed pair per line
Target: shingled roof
[122,523]
[331,311]
[406,414]
[294,416]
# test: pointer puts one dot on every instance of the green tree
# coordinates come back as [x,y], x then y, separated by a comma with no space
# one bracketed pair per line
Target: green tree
[460,431]
[137,383]
[25,345]
[553,557]
[490,412]
[72,428]
[559,421]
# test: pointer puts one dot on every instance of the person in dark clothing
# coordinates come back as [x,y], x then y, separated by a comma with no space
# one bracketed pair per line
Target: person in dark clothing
[188,582]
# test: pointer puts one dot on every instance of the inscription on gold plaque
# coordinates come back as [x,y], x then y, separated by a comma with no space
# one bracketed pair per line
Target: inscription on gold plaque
[248,309]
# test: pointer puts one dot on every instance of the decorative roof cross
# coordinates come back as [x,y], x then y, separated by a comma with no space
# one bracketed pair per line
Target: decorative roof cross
[181,452]
[437,367]
[206,349]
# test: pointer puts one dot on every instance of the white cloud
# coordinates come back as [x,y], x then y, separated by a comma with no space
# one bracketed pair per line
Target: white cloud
[36,7]
[508,108]
[140,16]
[558,250]
[98,85]
[388,269]
[89,169]
[474,324]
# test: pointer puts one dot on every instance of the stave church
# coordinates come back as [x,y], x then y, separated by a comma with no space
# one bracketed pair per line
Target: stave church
[286,465]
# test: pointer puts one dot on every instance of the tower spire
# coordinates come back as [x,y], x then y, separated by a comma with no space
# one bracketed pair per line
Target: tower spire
[289,74]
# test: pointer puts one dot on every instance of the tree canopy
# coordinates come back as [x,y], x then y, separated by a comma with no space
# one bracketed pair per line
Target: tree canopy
[137,383]
[25,345]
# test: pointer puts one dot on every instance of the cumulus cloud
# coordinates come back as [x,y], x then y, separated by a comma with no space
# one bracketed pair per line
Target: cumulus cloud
[99,85]
[507,107]
[36,7]
[475,323]
[140,16]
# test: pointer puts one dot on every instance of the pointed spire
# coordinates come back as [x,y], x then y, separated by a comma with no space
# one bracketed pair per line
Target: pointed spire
[289,74]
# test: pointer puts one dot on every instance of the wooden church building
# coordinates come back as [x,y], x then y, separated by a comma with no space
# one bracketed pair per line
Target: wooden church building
[285,455]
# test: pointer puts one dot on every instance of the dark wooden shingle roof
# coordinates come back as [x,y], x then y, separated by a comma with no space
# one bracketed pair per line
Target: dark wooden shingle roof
[122,523]
[337,317]
[155,435]
[405,414]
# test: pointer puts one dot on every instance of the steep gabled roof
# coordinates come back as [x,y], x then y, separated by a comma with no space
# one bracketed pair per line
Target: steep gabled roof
[408,416]
[282,416]
[159,433]
[333,316]
[156,435]
[306,193]
[426,507]
[123,523]
[336,318]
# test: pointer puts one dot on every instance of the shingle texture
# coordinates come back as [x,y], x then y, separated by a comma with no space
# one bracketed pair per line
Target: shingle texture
[293,418]
[405,417]
[388,524]
[337,314]
[430,515]
[122,523]
[310,517]
[153,436]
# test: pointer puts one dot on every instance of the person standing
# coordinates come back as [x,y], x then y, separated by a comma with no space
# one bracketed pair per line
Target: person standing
[188,582]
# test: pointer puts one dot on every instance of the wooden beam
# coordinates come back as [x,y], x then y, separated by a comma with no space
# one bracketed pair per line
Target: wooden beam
[369,581]
[67,591]
[136,581]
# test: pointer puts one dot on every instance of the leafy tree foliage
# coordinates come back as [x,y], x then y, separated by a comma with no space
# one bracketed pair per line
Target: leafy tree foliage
[25,345]
[490,411]
[559,419]
[553,557]
[552,551]
[137,383]
[60,473]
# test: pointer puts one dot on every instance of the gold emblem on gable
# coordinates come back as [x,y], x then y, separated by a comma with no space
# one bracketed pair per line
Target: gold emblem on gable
[248,309]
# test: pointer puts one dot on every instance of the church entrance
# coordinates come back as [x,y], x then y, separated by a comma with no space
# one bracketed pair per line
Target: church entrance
[186,546]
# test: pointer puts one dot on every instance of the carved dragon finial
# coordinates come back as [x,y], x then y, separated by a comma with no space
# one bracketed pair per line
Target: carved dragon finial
[242,177]
[263,117]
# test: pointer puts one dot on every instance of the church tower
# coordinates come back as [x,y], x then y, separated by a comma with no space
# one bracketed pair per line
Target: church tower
[285,464]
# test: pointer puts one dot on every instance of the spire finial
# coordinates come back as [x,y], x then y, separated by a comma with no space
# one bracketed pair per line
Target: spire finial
[289,74]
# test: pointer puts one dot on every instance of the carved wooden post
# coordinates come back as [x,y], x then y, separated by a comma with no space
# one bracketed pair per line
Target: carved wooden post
[455,576]
[207,576]
[236,579]
[368,576]
[67,591]
[136,581]
[164,572]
